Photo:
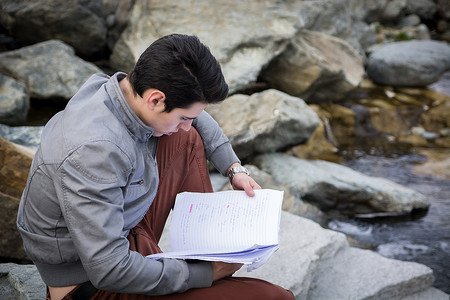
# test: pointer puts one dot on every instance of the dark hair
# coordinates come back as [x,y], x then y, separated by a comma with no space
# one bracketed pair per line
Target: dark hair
[182,68]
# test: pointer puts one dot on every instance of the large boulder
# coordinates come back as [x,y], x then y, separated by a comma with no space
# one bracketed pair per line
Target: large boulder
[252,33]
[243,36]
[411,63]
[317,263]
[335,187]
[264,122]
[78,23]
[14,101]
[49,69]
[316,67]
[15,163]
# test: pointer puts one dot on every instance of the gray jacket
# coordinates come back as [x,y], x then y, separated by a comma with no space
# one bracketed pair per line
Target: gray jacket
[92,180]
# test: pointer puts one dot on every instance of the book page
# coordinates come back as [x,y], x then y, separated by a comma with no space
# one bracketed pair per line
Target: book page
[225,221]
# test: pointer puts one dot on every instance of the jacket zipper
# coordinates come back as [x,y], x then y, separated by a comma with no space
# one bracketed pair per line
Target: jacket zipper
[139,182]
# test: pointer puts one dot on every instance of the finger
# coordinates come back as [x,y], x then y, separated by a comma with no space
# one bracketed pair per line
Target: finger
[249,190]
[255,186]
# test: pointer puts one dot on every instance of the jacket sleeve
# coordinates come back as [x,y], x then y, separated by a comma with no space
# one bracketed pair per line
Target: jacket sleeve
[218,148]
[92,203]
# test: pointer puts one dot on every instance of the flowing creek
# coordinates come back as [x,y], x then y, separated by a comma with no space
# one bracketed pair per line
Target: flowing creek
[422,237]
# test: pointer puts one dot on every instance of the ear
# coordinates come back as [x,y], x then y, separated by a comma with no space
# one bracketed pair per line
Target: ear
[155,99]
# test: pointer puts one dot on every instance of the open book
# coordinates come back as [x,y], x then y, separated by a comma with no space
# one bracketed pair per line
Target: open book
[226,226]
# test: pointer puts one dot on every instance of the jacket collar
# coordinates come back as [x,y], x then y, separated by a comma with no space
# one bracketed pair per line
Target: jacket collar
[135,125]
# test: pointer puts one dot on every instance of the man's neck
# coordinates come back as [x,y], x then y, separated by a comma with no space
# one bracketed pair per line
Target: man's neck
[129,95]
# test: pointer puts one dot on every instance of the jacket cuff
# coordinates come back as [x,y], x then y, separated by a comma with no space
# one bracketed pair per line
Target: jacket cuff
[223,157]
[200,274]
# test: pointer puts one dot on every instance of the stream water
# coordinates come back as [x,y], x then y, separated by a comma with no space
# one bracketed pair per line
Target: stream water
[422,237]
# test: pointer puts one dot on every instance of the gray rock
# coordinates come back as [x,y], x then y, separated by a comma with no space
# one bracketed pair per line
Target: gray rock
[317,263]
[21,282]
[316,67]
[49,69]
[332,186]
[243,36]
[374,11]
[411,63]
[428,294]
[336,18]
[366,10]
[28,136]
[78,23]
[264,122]
[393,9]
[362,274]
[7,292]
[425,9]
[330,17]
[14,101]
[366,35]
[303,245]
[410,20]
[422,32]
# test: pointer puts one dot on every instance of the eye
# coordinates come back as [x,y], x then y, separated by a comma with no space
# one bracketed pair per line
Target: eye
[184,119]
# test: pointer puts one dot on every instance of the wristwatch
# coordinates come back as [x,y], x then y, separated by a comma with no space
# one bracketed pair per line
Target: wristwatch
[235,170]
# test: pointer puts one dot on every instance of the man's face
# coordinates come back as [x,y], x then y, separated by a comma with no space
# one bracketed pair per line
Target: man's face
[179,118]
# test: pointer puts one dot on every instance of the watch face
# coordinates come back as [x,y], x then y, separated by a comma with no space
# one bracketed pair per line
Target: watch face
[238,169]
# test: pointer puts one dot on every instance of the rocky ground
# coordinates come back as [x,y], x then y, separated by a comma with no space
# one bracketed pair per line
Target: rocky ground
[304,76]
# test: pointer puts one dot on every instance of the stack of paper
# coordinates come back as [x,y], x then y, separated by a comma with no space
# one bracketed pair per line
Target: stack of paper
[225,226]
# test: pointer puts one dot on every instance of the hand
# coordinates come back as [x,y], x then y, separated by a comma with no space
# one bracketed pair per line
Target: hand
[222,269]
[242,181]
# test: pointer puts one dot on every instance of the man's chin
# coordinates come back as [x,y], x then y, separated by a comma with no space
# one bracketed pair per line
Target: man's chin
[170,133]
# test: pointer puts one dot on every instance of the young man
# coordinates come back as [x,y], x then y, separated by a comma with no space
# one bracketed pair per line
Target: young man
[107,172]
